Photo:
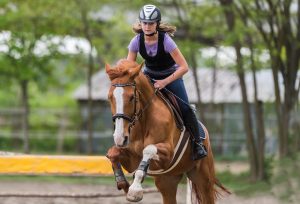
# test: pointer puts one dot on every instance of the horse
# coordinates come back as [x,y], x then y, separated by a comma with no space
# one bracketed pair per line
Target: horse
[146,139]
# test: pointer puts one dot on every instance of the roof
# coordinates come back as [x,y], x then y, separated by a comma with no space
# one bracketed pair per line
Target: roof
[226,88]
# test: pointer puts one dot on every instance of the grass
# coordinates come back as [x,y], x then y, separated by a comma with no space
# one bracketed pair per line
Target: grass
[286,178]
[241,185]
[97,180]
[283,181]
[231,158]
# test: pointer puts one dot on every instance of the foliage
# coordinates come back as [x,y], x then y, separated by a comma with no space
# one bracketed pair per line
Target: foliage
[39,145]
[241,185]
[98,180]
[283,181]
[286,180]
[34,47]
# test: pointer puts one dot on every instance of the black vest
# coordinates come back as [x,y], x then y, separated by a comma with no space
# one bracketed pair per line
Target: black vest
[161,60]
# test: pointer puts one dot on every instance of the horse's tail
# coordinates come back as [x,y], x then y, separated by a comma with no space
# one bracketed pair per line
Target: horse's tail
[221,187]
[199,196]
[207,188]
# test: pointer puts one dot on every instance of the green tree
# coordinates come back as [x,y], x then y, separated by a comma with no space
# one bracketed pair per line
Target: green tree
[279,26]
[26,61]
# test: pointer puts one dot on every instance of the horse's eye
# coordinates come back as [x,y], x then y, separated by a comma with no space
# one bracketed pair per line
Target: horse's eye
[131,98]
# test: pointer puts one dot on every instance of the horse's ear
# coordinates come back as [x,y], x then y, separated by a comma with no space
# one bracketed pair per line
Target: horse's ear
[133,72]
[107,67]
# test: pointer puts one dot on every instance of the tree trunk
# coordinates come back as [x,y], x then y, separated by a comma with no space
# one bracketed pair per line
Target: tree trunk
[297,129]
[90,106]
[248,128]
[214,80]
[278,105]
[61,131]
[280,30]
[25,115]
[261,139]
[259,119]
[86,32]
[230,19]
[195,75]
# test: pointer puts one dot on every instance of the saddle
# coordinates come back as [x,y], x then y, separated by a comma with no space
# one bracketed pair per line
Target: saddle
[171,102]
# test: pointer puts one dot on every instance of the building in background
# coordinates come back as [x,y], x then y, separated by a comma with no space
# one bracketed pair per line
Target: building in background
[222,102]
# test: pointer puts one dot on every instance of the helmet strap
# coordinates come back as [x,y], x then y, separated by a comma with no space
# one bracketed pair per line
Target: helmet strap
[157,26]
[151,34]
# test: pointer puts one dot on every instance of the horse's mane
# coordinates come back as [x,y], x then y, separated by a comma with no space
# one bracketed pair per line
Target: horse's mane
[121,68]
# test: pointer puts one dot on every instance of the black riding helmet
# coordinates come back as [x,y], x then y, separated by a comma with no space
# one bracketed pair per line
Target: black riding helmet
[150,13]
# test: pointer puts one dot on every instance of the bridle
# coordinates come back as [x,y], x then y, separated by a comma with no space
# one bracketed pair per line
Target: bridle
[137,113]
[122,115]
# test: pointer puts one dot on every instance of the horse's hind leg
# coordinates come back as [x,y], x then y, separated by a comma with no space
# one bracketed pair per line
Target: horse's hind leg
[167,185]
[203,184]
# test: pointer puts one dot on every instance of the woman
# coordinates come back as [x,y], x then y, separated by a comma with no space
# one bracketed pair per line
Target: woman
[166,65]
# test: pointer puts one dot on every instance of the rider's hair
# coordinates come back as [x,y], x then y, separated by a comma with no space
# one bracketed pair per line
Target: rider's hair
[165,27]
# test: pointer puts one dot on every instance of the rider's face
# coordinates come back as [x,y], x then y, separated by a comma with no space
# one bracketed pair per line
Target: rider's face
[149,27]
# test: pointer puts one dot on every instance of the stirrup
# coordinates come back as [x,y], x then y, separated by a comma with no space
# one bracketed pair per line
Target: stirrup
[199,151]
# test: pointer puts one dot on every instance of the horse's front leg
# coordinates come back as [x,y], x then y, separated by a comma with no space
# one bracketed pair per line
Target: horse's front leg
[113,155]
[135,192]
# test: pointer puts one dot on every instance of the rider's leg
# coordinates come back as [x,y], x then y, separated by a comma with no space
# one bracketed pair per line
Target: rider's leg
[196,131]
[189,118]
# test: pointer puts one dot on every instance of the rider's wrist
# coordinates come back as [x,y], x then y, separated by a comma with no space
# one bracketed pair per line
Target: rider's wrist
[171,78]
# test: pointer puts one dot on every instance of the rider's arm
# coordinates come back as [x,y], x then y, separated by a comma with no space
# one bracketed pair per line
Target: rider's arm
[131,56]
[133,48]
[181,70]
[182,66]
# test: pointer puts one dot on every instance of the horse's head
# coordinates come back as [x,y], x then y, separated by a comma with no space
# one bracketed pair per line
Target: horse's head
[123,98]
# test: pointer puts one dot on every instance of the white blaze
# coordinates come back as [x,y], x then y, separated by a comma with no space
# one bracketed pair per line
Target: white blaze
[119,123]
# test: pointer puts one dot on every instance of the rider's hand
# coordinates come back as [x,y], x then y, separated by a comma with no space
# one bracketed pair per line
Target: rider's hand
[160,84]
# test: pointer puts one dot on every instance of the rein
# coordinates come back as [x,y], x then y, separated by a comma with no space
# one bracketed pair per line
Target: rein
[137,114]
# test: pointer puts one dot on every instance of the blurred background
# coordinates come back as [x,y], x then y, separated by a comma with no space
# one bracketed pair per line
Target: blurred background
[244,79]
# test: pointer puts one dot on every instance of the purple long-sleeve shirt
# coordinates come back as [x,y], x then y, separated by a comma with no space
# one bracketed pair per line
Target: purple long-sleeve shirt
[151,49]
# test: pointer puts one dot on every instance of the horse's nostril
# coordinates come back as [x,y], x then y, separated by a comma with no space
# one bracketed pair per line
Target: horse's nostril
[126,140]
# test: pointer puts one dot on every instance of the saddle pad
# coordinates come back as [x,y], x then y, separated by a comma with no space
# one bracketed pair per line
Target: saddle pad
[172,104]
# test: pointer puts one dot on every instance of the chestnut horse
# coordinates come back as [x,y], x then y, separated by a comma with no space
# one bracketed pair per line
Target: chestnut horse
[146,139]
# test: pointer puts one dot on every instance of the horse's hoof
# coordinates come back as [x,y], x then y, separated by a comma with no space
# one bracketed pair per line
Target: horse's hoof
[123,185]
[135,195]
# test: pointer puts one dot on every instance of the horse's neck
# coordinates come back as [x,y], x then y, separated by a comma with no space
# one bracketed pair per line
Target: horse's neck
[147,103]
[146,89]
[155,112]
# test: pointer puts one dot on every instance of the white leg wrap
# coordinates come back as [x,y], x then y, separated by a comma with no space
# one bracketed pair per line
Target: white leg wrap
[135,192]
[150,152]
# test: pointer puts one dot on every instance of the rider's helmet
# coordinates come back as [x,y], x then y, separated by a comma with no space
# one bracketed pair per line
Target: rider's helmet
[150,13]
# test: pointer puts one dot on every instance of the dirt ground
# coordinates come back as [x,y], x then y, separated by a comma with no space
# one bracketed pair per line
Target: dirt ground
[56,188]
[21,187]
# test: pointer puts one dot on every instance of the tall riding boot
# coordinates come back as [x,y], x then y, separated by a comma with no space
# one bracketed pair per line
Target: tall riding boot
[195,129]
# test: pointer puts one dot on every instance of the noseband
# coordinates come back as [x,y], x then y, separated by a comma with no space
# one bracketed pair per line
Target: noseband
[137,114]
[122,115]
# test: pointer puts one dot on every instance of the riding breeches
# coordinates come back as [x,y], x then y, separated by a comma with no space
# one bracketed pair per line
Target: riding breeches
[177,88]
